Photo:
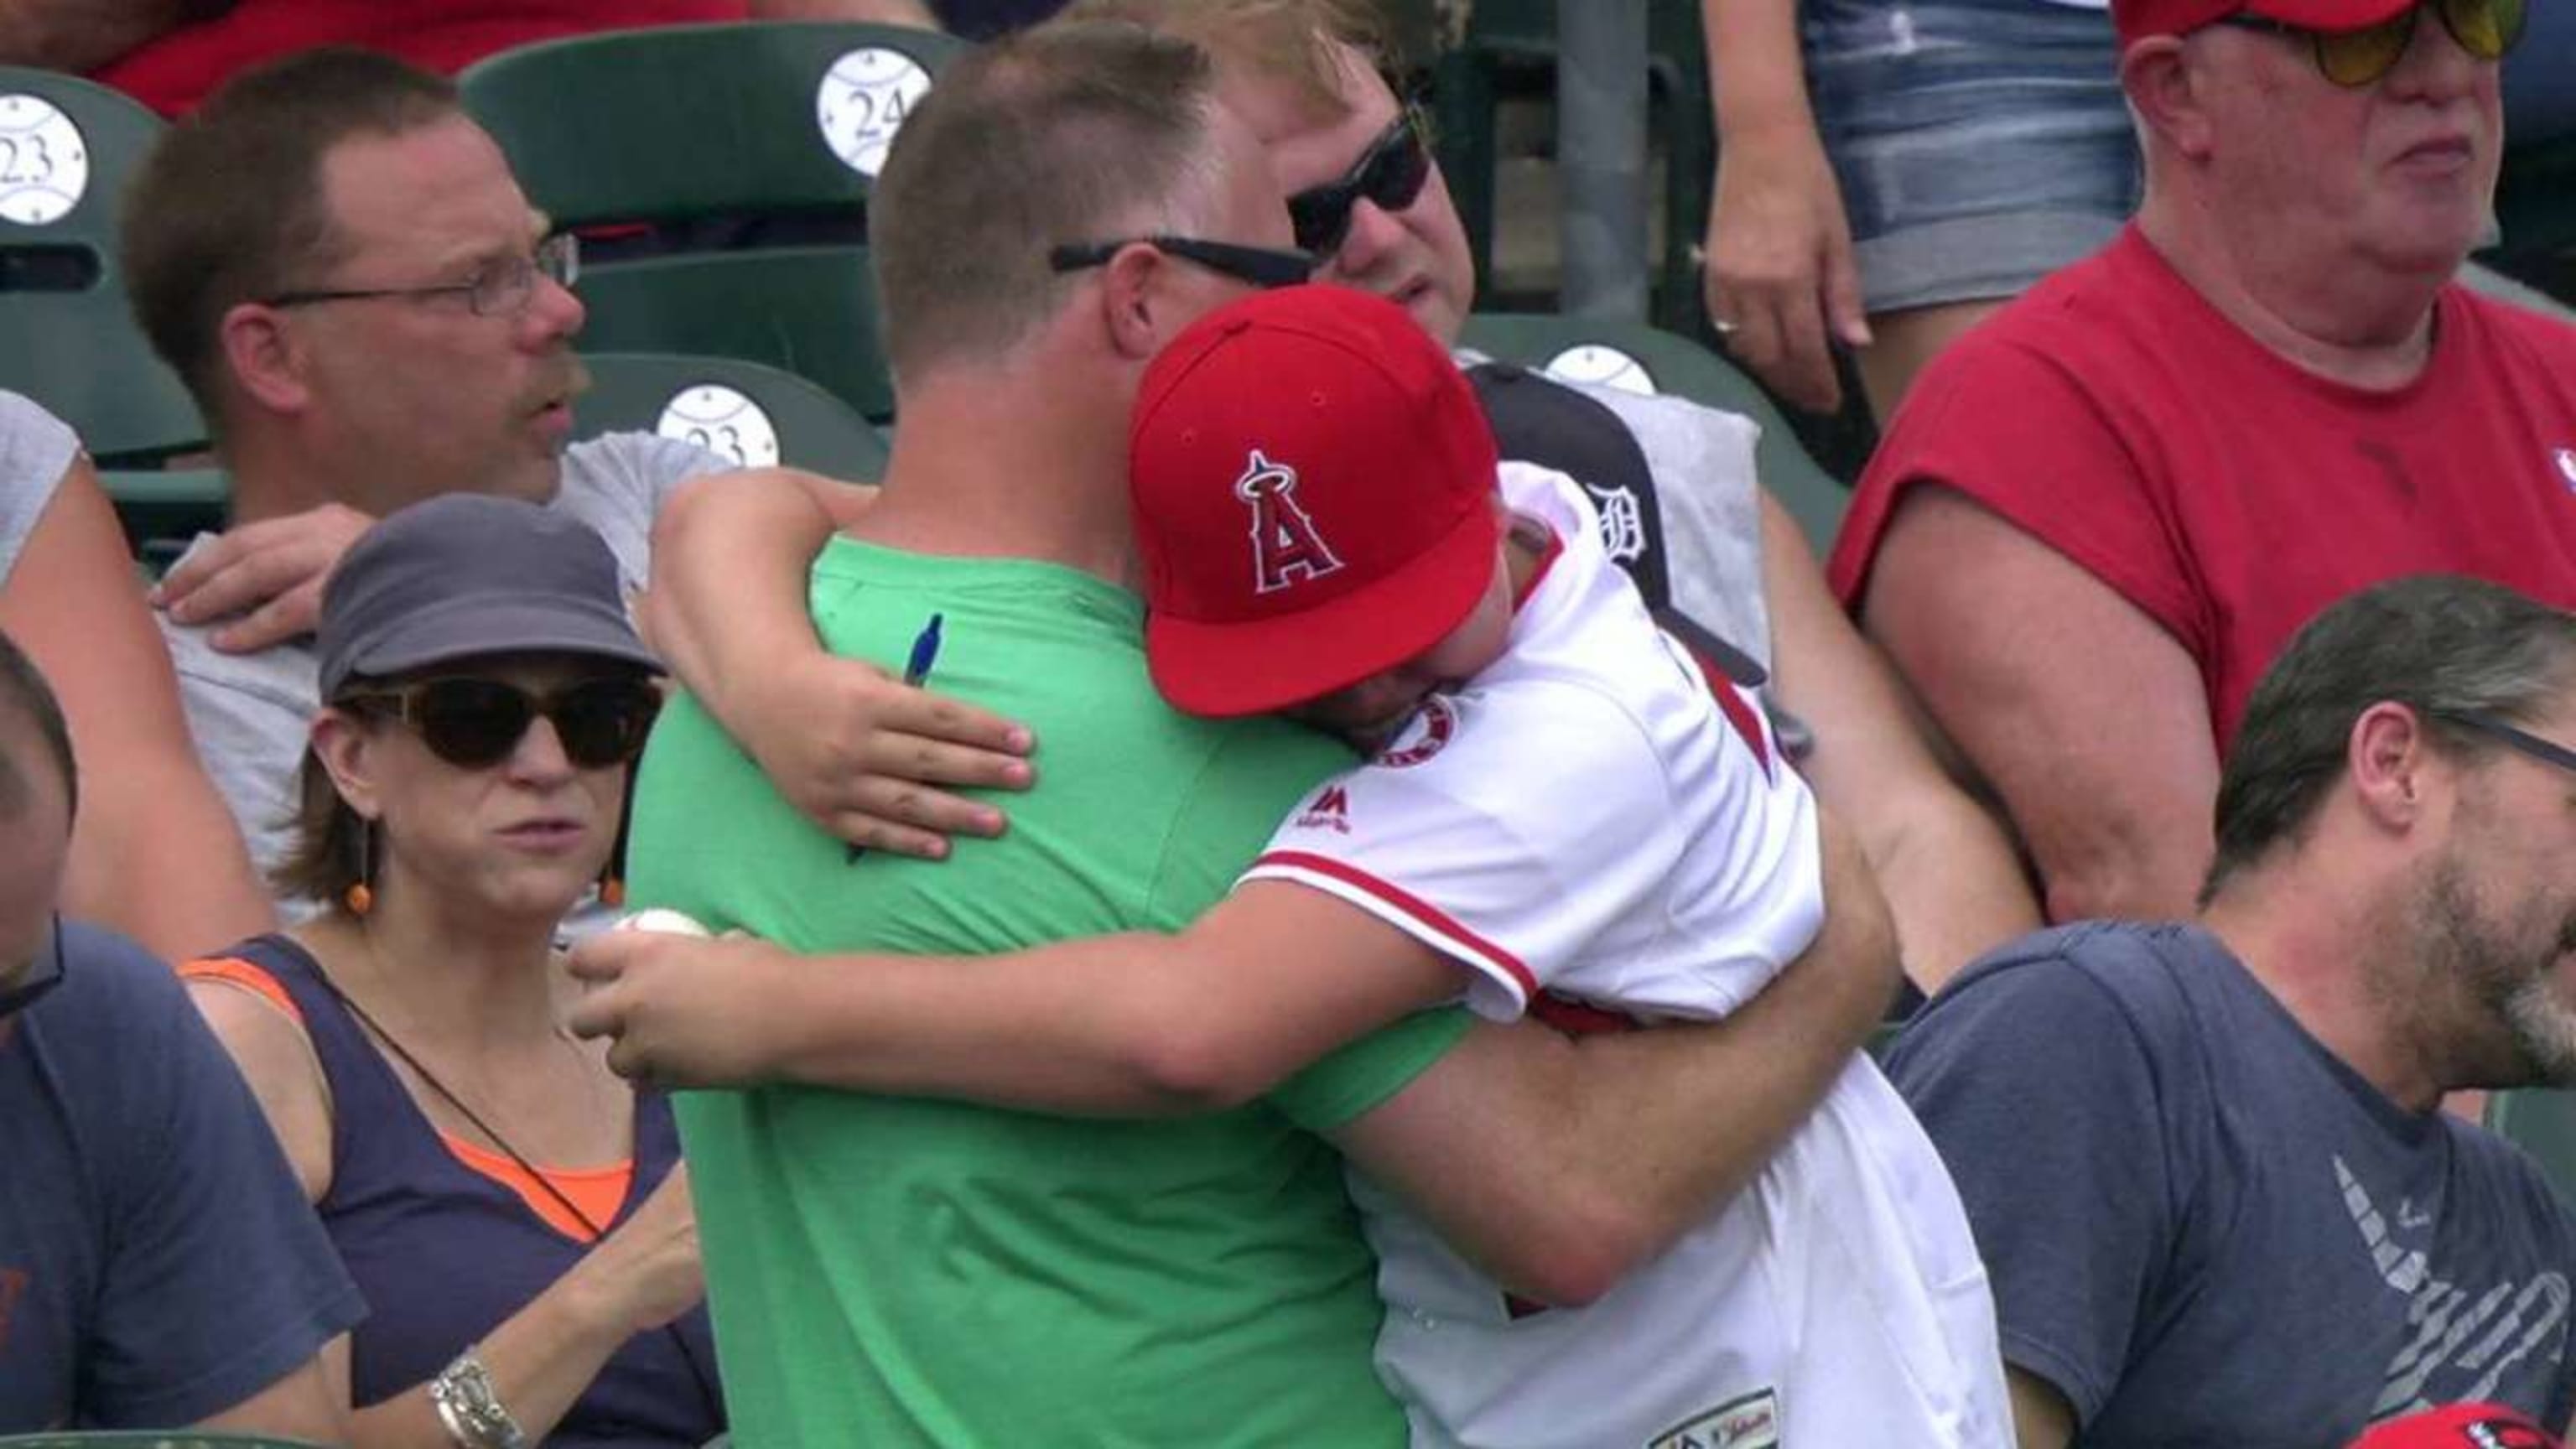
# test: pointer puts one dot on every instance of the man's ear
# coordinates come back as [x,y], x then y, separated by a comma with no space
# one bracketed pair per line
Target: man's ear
[2390,758]
[2166,85]
[264,357]
[1137,302]
[346,748]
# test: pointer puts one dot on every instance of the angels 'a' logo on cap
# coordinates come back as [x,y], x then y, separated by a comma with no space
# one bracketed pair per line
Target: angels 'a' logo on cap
[1287,548]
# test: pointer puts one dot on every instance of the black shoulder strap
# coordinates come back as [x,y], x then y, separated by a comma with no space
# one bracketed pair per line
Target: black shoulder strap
[1539,420]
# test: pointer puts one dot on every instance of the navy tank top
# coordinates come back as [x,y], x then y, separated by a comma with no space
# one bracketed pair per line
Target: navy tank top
[444,1253]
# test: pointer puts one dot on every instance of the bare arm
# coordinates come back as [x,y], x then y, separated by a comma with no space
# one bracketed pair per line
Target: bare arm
[1779,249]
[2042,1419]
[1269,979]
[542,1357]
[1948,868]
[82,35]
[855,750]
[2089,719]
[154,852]
[1559,1165]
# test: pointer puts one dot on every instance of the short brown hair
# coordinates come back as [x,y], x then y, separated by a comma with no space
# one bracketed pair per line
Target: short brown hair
[1290,42]
[1059,134]
[326,842]
[228,208]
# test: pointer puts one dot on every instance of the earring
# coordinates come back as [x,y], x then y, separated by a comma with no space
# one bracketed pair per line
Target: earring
[360,897]
[612,888]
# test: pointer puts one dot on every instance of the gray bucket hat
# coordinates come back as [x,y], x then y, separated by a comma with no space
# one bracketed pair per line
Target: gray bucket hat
[467,574]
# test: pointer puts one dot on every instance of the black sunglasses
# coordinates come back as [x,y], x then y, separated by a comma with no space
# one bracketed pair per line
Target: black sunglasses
[2485,29]
[475,723]
[2548,752]
[41,975]
[1263,267]
[1388,174]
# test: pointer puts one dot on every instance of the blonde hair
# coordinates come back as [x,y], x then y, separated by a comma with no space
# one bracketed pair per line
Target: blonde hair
[1292,43]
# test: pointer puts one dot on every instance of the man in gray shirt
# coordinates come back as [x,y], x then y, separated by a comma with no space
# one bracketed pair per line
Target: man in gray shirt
[2206,1162]
[341,266]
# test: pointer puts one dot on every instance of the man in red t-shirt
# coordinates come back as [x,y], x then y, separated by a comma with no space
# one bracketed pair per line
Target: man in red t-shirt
[170,53]
[2268,392]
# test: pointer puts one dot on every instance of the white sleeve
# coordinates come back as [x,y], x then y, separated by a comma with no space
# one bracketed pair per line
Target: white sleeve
[1507,829]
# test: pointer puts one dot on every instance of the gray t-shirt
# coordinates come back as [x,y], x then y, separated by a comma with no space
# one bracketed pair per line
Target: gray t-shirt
[2205,1228]
[35,451]
[251,713]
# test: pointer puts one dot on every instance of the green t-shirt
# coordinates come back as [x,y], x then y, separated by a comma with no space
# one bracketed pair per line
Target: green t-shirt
[899,1271]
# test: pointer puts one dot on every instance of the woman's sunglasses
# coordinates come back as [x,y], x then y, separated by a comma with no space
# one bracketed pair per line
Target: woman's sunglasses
[475,723]
[1389,174]
[2485,29]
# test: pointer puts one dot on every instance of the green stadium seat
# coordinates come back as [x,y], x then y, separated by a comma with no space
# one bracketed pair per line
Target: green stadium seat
[1508,33]
[811,311]
[163,509]
[1649,360]
[684,122]
[756,415]
[2536,210]
[2541,1122]
[66,337]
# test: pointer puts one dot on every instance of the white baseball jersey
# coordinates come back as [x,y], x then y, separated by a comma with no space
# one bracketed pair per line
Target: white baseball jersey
[1594,818]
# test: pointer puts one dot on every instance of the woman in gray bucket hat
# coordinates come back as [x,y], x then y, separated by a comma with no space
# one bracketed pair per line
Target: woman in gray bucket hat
[514,1211]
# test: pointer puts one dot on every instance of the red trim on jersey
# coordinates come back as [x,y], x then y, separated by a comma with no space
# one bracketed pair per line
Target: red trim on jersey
[1439,921]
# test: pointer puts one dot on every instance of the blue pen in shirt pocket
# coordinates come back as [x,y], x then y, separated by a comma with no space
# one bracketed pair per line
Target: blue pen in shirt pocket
[916,668]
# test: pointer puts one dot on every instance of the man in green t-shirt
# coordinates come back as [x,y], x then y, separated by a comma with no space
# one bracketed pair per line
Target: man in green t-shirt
[903,1270]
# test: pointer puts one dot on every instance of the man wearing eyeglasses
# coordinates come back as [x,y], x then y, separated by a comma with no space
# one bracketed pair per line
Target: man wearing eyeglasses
[339,264]
[158,1267]
[2099,517]
[2205,1160]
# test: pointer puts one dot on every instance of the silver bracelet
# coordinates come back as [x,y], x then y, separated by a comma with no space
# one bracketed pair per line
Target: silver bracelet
[470,1408]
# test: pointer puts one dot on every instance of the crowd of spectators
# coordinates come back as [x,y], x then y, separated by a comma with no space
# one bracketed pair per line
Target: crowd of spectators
[2170,758]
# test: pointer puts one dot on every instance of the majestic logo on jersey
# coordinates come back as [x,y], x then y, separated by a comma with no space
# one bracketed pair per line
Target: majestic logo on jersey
[2462,1340]
[1287,548]
[1751,1422]
[1623,522]
[2566,460]
[1424,735]
[1330,811]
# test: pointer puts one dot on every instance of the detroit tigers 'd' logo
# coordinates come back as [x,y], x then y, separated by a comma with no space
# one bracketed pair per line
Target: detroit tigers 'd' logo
[1286,546]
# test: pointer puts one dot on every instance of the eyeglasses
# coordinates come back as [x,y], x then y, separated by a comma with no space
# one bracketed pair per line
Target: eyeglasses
[1389,174]
[474,724]
[41,975]
[2546,751]
[2485,29]
[498,289]
[1263,267]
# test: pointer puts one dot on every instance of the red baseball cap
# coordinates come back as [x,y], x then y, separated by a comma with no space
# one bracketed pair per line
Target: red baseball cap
[2459,1426]
[2137,19]
[1313,488]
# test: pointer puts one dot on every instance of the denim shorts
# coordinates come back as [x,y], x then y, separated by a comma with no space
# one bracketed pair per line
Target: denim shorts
[1980,144]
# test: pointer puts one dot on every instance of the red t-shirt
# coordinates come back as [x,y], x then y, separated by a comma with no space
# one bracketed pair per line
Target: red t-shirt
[2117,417]
[175,71]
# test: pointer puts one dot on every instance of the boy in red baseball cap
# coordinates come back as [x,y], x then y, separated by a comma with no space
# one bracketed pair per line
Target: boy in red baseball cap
[1580,820]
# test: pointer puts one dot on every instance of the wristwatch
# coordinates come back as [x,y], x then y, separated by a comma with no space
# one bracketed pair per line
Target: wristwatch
[470,1408]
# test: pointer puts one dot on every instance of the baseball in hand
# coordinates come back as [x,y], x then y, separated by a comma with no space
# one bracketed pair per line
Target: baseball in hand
[669,922]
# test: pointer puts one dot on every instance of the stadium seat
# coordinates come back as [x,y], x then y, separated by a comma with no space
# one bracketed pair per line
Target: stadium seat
[756,415]
[1648,360]
[66,337]
[163,510]
[1507,33]
[2536,210]
[2542,1123]
[686,122]
[807,310]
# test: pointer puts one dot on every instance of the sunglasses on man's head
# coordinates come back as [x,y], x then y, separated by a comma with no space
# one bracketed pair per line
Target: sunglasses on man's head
[38,976]
[476,723]
[1264,267]
[1388,175]
[2486,29]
